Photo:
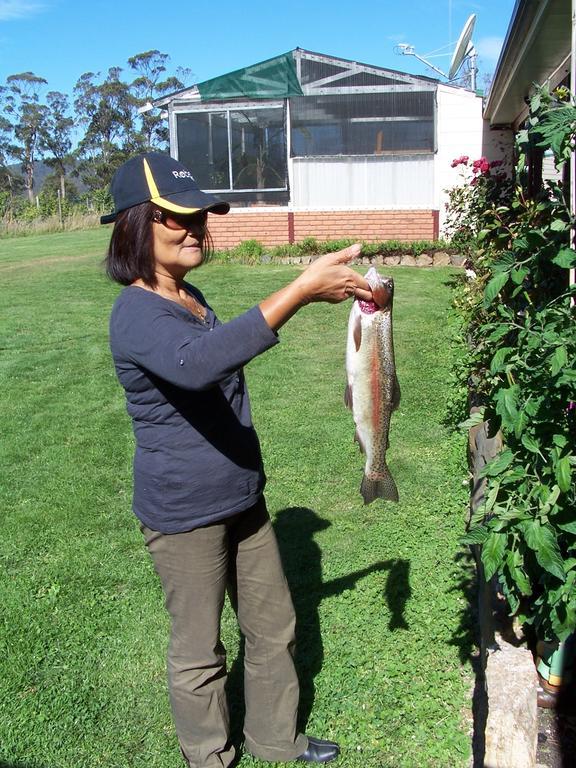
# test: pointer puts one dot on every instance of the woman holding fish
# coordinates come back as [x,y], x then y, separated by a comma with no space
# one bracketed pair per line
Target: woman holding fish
[198,475]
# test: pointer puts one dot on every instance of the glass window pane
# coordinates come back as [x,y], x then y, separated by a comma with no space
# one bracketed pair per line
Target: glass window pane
[363,124]
[258,149]
[203,147]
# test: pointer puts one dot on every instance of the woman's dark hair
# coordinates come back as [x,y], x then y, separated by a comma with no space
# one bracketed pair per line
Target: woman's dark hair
[130,253]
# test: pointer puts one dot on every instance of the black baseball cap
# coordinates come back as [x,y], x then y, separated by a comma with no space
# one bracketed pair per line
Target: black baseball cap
[162,180]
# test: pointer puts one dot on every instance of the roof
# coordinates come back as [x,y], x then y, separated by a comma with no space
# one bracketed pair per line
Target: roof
[536,50]
[296,73]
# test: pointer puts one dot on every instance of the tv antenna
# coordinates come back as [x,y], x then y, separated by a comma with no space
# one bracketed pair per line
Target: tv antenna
[464,51]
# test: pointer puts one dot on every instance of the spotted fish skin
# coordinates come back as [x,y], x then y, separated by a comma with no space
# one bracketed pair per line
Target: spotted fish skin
[372,390]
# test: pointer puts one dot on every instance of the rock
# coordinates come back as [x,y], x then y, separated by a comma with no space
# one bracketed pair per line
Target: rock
[407,260]
[512,724]
[457,260]
[391,261]
[424,260]
[442,259]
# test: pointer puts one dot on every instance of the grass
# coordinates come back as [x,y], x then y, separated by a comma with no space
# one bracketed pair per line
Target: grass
[378,591]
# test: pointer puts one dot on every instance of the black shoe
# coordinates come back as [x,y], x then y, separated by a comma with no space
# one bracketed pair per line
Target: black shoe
[319,751]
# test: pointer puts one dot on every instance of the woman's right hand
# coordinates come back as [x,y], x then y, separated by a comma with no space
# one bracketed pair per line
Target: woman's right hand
[328,279]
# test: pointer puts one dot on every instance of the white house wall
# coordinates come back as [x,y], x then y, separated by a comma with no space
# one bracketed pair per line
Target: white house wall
[405,181]
[459,132]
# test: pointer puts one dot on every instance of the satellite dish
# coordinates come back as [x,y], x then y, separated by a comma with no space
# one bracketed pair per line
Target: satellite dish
[461,47]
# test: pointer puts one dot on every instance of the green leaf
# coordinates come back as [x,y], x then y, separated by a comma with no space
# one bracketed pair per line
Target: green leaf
[563,472]
[499,359]
[518,275]
[521,423]
[507,405]
[568,527]
[560,441]
[565,258]
[493,553]
[558,225]
[494,287]
[474,419]
[476,535]
[530,444]
[542,540]
[558,360]
[503,263]
[515,563]
[498,464]
[492,495]
[501,330]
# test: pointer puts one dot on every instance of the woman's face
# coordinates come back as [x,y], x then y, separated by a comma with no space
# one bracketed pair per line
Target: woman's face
[177,242]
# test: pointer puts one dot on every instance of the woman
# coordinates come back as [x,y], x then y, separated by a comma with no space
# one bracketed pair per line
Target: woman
[198,476]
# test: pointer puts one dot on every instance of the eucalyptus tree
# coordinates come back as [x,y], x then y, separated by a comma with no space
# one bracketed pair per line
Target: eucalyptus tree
[55,138]
[9,183]
[153,82]
[21,98]
[107,112]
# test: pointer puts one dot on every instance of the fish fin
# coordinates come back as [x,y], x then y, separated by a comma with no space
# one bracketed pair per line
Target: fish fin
[383,487]
[357,332]
[358,440]
[348,396]
[395,393]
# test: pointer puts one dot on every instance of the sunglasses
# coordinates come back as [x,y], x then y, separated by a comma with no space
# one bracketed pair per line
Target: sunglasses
[193,221]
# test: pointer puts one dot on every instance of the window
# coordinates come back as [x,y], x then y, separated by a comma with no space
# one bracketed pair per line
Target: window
[235,150]
[362,124]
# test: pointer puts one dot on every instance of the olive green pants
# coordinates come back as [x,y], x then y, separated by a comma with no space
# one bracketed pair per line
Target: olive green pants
[239,555]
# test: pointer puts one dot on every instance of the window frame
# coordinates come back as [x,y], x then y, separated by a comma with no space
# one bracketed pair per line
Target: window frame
[226,109]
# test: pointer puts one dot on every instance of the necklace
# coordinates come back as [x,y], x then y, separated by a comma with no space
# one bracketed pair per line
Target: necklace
[185,299]
[192,304]
[189,302]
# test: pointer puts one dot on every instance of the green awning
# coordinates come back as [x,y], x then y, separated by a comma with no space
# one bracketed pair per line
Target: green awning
[271,79]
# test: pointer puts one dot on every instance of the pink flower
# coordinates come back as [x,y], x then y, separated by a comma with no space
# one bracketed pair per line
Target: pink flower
[462,160]
[481,166]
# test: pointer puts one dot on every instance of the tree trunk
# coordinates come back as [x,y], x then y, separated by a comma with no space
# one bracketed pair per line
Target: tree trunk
[63,185]
[29,180]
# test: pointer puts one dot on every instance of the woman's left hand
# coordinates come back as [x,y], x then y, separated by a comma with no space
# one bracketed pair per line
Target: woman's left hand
[328,279]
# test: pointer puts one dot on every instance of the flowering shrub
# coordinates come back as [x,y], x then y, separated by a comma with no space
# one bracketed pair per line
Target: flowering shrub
[484,184]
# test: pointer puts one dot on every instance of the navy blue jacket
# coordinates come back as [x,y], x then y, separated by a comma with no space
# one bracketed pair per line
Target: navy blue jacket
[197,457]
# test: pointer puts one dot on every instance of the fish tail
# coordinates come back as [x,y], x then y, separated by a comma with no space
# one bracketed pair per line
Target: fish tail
[382,487]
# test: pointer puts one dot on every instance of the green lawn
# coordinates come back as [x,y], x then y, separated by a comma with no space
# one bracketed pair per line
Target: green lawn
[382,633]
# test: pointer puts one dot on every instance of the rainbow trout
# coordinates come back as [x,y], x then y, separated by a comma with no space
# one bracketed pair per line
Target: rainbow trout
[372,391]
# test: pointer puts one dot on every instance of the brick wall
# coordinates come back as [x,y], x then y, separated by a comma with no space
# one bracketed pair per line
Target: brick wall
[278,227]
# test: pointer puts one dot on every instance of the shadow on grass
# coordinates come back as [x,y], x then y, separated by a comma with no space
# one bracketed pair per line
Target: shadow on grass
[302,558]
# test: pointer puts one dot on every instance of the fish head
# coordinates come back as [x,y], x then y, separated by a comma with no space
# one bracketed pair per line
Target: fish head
[382,292]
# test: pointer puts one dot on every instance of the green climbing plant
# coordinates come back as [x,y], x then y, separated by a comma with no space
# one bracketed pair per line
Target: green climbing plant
[522,371]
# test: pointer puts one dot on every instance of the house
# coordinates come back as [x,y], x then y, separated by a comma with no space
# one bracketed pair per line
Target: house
[537,50]
[309,145]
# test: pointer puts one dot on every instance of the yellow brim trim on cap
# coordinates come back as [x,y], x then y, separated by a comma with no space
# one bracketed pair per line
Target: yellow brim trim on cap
[156,198]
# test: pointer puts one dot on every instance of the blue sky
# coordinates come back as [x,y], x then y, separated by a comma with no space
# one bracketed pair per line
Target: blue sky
[61,39]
